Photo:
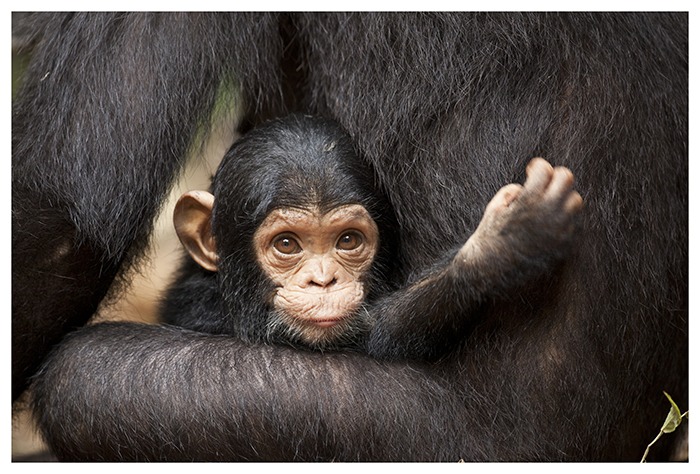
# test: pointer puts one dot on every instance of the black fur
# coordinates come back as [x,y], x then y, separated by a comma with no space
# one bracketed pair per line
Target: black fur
[125,94]
[447,107]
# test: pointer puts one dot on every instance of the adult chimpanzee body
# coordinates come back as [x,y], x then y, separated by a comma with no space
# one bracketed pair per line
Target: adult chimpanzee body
[446,108]
[295,245]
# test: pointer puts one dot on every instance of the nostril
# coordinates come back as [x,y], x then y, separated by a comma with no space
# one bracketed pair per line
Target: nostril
[321,283]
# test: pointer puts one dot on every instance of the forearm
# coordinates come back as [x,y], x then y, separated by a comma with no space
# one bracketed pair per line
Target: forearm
[430,317]
[134,392]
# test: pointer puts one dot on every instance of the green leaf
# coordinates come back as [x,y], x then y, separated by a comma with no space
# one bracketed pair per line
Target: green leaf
[674,417]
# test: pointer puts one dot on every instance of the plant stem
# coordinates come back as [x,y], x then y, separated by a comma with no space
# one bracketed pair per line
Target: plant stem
[647,450]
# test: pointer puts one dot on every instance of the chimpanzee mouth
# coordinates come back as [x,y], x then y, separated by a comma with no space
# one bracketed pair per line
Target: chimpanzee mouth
[323,322]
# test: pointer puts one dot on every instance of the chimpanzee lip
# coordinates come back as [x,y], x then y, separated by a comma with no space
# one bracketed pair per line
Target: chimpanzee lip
[323,322]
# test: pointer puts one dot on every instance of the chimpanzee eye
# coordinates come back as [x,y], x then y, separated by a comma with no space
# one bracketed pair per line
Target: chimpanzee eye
[286,244]
[349,241]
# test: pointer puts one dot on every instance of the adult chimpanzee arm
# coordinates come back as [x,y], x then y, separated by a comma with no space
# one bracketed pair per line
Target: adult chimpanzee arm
[524,231]
[186,396]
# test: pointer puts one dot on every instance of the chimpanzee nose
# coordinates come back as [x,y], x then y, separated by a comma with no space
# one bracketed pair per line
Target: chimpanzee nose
[322,274]
[324,280]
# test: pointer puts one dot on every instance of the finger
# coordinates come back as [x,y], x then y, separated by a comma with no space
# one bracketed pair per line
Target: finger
[539,174]
[573,203]
[503,198]
[561,183]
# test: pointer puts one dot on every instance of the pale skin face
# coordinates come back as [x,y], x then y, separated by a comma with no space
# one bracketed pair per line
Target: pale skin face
[316,261]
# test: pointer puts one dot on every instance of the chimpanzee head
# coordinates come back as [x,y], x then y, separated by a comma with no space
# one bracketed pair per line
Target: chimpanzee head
[297,231]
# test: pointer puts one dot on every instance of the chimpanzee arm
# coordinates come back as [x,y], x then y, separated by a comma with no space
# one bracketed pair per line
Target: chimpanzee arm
[524,231]
[186,396]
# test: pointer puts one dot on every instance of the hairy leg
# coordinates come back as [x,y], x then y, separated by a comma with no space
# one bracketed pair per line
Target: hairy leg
[109,108]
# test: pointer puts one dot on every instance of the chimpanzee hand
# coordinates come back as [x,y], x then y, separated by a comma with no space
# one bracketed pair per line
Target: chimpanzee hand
[524,228]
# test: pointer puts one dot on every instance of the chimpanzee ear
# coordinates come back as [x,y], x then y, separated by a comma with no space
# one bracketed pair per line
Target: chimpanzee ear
[192,220]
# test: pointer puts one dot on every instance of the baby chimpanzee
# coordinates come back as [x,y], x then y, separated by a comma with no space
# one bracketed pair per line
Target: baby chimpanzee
[296,244]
